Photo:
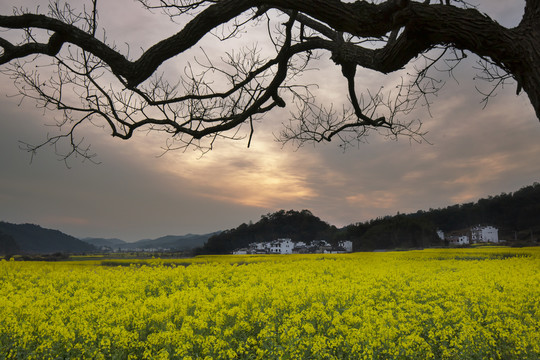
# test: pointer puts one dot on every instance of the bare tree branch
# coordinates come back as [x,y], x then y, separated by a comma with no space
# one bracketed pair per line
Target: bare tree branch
[89,80]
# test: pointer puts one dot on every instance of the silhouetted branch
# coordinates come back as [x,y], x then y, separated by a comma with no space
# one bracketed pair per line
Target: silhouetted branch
[90,81]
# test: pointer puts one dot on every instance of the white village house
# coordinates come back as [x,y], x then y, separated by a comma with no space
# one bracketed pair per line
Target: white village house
[287,246]
[484,234]
[346,244]
[458,239]
[473,235]
[281,246]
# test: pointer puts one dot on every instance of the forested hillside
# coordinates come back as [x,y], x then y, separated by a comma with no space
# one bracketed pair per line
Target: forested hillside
[516,215]
[297,225]
[391,232]
[8,245]
[33,239]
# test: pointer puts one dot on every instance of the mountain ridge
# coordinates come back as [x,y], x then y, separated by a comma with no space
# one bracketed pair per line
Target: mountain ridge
[515,214]
[171,242]
[34,239]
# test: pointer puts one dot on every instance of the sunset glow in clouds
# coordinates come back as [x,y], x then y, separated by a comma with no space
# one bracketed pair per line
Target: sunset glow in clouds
[135,193]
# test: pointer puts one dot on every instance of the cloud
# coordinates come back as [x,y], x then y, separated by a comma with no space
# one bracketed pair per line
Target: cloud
[374,199]
[261,176]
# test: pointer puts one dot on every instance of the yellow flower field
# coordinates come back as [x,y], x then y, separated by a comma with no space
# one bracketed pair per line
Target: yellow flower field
[431,304]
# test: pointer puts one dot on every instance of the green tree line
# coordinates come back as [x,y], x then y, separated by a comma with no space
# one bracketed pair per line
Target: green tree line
[516,215]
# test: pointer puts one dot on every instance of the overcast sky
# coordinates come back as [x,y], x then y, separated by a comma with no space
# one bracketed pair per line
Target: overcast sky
[134,194]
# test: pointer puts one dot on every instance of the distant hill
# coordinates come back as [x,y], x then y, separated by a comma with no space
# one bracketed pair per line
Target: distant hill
[516,215]
[33,239]
[297,225]
[100,242]
[8,245]
[172,242]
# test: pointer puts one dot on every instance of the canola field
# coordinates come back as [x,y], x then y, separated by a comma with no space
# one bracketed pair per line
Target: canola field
[430,304]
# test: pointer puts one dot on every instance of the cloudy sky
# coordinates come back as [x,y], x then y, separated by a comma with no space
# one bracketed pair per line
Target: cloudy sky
[134,193]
